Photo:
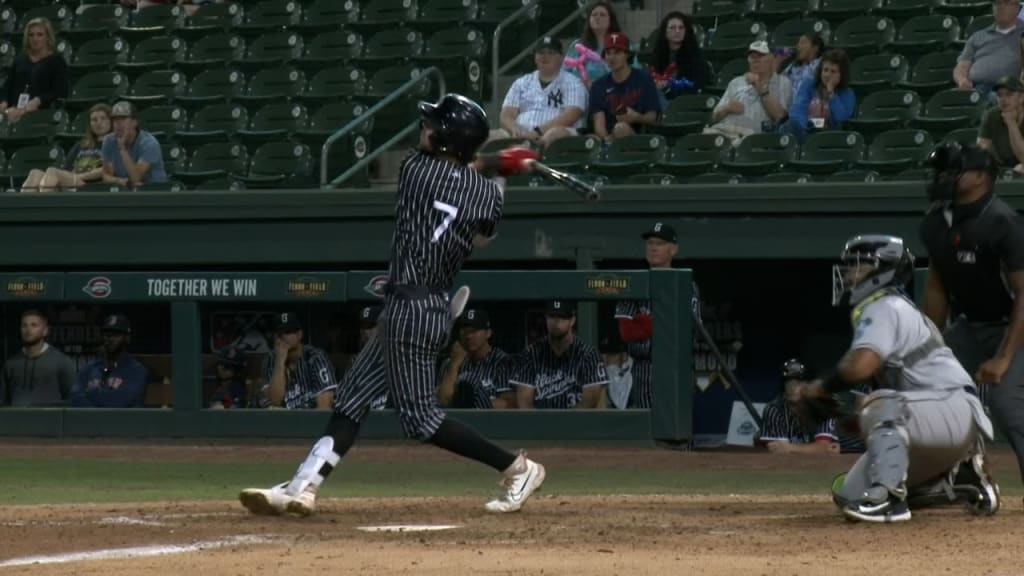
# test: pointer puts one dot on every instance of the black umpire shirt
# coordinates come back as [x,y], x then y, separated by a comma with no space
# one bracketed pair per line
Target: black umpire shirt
[973,248]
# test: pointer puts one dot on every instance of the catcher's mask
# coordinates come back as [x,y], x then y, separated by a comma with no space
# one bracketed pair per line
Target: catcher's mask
[949,162]
[870,263]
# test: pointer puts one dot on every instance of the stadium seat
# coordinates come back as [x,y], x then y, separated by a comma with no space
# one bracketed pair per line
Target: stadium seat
[174,157]
[760,154]
[152,20]
[335,83]
[213,160]
[839,10]
[978,23]
[330,49]
[772,12]
[96,20]
[515,37]
[695,154]
[274,122]
[328,15]
[386,80]
[492,146]
[932,73]
[7,53]
[34,128]
[913,175]
[718,178]
[963,8]
[685,114]
[897,150]
[156,87]
[962,136]
[277,165]
[728,71]
[829,151]
[864,35]
[732,39]
[221,184]
[710,13]
[271,49]
[154,53]
[885,110]
[211,51]
[269,15]
[950,109]
[163,121]
[876,72]
[789,32]
[59,14]
[214,123]
[96,87]
[272,84]
[902,10]
[330,118]
[394,46]
[651,179]
[213,86]
[855,176]
[787,178]
[9,22]
[379,15]
[926,33]
[630,155]
[211,18]
[71,134]
[437,14]
[27,158]
[98,54]
[459,54]
[573,153]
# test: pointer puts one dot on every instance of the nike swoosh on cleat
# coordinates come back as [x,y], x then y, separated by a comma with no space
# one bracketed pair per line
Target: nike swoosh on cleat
[519,496]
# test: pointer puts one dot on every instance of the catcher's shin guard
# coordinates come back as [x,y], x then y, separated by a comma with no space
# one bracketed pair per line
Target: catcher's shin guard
[884,419]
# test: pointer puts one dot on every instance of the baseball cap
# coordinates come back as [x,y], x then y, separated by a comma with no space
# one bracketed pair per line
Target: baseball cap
[760,46]
[560,308]
[122,109]
[549,43]
[1010,83]
[475,318]
[663,231]
[287,322]
[231,356]
[617,41]
[369,314]
[116,323]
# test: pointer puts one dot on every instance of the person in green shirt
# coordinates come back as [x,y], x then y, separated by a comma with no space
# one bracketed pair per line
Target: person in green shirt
[1002,125]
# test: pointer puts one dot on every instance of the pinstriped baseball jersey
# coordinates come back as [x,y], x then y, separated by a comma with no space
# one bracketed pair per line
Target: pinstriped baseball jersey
[539,104]
[558,381]
[629,309]
[310,377]
[481,380]
[781,423]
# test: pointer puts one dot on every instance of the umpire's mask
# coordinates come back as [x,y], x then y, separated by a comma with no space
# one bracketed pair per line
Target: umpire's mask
[870,263]
[949,161]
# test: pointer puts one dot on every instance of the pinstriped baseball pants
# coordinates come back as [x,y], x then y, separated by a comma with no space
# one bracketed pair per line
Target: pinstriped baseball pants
[402,361]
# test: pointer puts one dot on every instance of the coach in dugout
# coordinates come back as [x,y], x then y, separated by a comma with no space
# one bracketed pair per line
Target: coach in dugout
[295,375]
[117,380]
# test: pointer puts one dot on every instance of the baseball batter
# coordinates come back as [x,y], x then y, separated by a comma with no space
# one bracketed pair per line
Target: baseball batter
[444,208]
[925,422]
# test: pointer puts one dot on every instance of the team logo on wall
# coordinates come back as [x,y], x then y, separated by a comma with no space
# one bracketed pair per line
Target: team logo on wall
[376,286]
[308,287]
[98,287]
[26,287]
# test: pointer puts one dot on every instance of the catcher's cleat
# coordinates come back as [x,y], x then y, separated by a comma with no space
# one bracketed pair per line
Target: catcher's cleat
[518,482]
[891,510]
[837,485]
[972,477]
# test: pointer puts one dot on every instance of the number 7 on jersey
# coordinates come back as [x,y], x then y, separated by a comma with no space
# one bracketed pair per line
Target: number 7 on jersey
[449,212]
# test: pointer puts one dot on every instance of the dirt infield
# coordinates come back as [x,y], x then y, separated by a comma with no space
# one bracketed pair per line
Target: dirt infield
[554,535]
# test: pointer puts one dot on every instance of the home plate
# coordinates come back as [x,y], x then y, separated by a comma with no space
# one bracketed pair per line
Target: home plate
[407,528]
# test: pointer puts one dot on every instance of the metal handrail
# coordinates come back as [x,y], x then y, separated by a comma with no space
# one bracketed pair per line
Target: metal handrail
[356,122]
[496,69]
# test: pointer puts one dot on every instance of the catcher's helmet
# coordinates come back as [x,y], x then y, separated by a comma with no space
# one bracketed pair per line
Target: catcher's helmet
[870,263]
[460,126]
[949,161]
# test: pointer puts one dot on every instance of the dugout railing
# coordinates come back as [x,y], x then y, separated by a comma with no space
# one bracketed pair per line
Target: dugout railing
[670,420]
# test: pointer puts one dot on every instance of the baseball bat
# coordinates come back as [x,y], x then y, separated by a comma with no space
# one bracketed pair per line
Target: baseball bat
[587,191]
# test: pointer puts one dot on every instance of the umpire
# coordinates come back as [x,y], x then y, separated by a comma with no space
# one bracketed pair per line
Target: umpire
[975,245]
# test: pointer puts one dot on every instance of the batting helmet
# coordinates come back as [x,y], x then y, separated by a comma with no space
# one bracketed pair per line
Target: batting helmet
[951,160]
[460,126]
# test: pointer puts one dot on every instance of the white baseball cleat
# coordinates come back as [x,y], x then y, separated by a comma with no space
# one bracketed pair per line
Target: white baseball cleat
[523,478]
[302,505]
[276,501]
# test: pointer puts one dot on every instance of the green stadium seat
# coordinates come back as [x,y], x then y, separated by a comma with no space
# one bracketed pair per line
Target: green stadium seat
[9,22]
[386,80]
[932,73]
[962,136]
[630,155]
[459,54]
[270,15]
[221,184]
[728,71]
[963,8]
[392,46]
[331,84]
[864,35]
[211,18]
[732,39]
[927,33]
[7,53]
[695,154]
[59,14]
[156,87]
[761,154]
[34,128]
[950,109]
[28,158]
[787,178]
[772,12]
[154,53]
[271,49]
[164,121]
[855,176]
[174,157]
[573,153]
[979,22]
[885,110]
[96,20]
[829,151]
[330,49]
[214,123]
[436,14]
[274,122]
[330,118]
[279,165]
[518,35]
[876,72]
[787,33]
[839,10]
[213,86]
[897,150]
[710,13]
[718,178]
[212,161]
[212,51]
[328,15]
[913,175]
[651,179]
[71,134]
[903,10]
[95,87]
[379,15]
[152,20]
[98,54]
[685,114]
[272,84]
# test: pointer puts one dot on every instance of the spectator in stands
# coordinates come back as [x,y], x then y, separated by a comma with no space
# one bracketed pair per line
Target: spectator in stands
[230,387]
[38,77]
[678,65]
[131,156]
[546,104]
[755,102]
[801,63]
[1002,127]
[117,380]
[560,371]
[824,103]
[38,374]
[296,375]
[993,52]
[476,374]
[626,100]
[83,163]
[585,57]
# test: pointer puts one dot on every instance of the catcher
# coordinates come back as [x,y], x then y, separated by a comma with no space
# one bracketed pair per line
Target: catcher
[923,425]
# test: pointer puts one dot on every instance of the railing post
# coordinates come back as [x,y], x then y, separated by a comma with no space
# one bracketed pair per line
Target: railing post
[671,293]
[187,358]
